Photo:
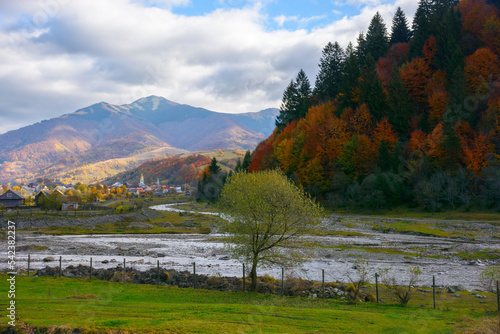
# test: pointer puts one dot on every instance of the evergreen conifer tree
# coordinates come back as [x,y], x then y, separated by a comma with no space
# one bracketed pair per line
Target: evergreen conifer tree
[349,78]
[371,90]
[330,72]
[400,32]
[296,101]
[377,42]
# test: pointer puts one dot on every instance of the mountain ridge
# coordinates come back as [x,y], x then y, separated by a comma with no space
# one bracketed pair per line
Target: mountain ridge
[103,131]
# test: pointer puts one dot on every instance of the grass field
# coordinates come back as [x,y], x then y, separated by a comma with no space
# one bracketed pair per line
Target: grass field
[79,303]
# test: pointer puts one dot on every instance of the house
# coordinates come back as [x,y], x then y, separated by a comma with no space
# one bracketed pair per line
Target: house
[11,199]
[69,206]
[42,193]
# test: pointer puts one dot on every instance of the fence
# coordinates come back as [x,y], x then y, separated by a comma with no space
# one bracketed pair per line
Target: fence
[195,279]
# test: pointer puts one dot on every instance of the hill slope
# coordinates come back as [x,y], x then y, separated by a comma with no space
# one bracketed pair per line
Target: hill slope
[398,120]
[105,135]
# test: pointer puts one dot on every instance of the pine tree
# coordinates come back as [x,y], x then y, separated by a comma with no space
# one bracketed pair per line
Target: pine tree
[238,167]
[449,55]
[401,107]
[296,101]
[330,72]
[349,78]
[361,50]
[247,159]
[421,27]
[377,42]
[451,145]
[400,32]
[371,90]
[214,167]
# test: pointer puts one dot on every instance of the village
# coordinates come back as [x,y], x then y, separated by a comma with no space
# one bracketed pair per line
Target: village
[51,195]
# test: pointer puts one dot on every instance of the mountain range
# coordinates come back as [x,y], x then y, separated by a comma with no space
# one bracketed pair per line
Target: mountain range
[104,139]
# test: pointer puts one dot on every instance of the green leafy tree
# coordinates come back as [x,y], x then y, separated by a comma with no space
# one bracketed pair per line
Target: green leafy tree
[330,72]
[296,101]
[377,42]
[400,32]
[267,214]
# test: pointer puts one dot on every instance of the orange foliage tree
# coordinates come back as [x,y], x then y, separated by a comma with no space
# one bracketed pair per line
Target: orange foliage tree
[416,75]
[477,154]
[480,67]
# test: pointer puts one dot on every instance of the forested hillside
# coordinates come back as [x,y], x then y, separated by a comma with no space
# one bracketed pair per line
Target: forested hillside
[406,115]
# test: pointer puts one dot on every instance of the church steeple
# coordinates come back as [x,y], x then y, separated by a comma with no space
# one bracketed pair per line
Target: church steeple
[141,183]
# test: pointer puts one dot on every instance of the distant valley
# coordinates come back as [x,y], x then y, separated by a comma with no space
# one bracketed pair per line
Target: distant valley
[102,140]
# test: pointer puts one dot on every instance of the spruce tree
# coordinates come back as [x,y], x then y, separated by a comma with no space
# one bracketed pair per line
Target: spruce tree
[401,107]
[214,167]
[400,32]
[330,72]
[371,90]
[361,50]
[377,42]
[421,27]
[349,80]
[296,101]
[247,159]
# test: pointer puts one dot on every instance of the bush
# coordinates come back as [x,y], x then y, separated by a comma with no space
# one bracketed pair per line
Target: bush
[488,278]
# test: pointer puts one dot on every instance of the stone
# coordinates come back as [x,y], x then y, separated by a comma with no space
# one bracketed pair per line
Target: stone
[48,259]
[224,258]
[105,261]
[161,254]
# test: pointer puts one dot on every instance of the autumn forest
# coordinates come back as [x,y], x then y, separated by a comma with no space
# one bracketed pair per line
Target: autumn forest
[406,114]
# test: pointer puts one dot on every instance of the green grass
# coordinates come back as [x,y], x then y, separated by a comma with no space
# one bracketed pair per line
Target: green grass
[79,303]
[404,212]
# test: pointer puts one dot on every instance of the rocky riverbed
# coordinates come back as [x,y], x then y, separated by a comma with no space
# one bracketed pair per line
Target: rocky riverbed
[345,240]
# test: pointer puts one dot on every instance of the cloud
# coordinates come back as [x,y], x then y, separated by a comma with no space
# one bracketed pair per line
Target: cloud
[301,22]
[61,55]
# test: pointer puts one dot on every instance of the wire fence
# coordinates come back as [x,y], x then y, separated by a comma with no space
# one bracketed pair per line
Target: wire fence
[287,282]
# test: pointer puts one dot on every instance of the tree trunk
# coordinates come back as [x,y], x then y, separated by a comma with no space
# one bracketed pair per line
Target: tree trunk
[253,275]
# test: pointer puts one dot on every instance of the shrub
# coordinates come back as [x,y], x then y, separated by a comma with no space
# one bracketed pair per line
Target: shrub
[488,278]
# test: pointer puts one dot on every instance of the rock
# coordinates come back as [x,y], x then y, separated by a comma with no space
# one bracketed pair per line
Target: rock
[166,224]
[225,258]
[112,260]
[48,259]
[160,254]
[458,287]
[480,296]
[450,290]
[457,295]
[105,262]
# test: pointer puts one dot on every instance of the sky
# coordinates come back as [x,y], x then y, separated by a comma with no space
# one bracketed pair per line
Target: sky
[232,56]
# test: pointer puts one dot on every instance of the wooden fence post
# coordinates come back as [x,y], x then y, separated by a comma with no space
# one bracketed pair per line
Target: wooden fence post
[124,271]
[90,271]
[434,291]
[158,272]
[194,275]
[28,265]
[60,265]
[323,282]
[376,285]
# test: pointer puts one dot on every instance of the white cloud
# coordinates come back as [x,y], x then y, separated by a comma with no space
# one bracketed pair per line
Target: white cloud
[83,52]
